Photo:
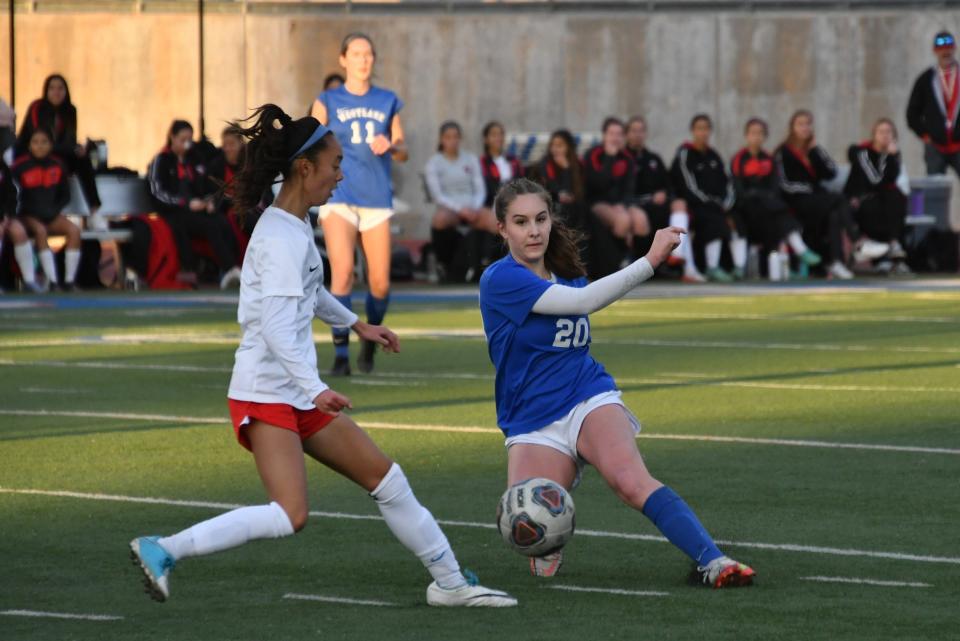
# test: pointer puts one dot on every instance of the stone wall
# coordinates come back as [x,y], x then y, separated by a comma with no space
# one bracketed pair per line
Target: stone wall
[132,73]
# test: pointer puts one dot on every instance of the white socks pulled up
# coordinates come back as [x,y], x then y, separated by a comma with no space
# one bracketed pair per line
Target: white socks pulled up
[229,531]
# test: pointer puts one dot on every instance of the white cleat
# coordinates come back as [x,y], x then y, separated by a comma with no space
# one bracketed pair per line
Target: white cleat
[839,271]
[868,249]
[470,595]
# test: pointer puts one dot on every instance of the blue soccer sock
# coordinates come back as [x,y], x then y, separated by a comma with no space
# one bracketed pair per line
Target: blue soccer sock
[341,335]
[674,518]
[376,308]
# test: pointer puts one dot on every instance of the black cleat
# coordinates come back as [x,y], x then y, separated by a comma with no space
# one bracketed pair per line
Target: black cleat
[341,366]
[365,360]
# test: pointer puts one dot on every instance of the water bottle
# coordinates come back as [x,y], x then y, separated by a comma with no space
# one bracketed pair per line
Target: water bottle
[774,266]
[784,265]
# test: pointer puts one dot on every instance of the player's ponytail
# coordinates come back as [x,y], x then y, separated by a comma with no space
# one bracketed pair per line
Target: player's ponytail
[274,141]
[563,252]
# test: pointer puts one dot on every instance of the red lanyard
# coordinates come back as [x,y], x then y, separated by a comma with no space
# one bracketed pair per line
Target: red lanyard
[951,93]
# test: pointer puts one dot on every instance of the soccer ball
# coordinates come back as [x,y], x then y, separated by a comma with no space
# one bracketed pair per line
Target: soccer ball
[536,517]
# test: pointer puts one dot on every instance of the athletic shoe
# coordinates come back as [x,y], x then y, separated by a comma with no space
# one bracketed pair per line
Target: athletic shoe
[341,366]
[718,275]
[231,279]
[723,572]
[901,269]
[547,565]
[896,250]
[692,276]
[471,595]
[365,359]
[675,261]
[739,273]
[156,564]
[810,258]
[868,249]
[839,271]
[33,288]
[68,288]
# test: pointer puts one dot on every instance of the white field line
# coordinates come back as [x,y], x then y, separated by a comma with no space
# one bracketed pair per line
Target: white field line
[54,390]
[577,588]
[337,599]
[444,334]
[787,547]
[466,429]
[845,579]
[670,379]
[60,615]
[831,318]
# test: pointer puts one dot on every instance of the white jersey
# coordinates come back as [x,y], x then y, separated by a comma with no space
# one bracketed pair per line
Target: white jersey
[281,290]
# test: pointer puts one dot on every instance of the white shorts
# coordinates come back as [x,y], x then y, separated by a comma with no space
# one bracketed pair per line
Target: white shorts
[563,433]
[363,218]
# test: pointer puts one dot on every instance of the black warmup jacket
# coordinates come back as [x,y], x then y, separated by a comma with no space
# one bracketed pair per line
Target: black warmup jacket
[700,177]
[798,174]
[652,176]
[927,113]
[870,171]
[173,183]
[608,179]
[44,186]
[9,194]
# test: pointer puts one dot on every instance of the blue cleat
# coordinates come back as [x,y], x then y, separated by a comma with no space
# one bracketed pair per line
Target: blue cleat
[156,564]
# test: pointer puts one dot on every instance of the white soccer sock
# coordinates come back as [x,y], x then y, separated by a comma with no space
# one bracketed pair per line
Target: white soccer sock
[24,255]
[49,268]
[229,530]
[795,240]
[416,529]
[71,261]
[713,249]
[738,248]
[680,219]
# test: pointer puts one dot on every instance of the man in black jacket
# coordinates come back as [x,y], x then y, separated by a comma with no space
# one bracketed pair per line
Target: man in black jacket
[932,112]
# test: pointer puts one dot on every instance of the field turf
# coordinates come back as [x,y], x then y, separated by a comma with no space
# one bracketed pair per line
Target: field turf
[108,400]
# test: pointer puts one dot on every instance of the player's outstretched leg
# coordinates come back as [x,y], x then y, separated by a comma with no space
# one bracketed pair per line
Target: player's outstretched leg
[347,449]
[607,439]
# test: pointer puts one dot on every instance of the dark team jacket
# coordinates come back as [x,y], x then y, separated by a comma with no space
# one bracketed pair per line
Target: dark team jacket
[173,183]
[491,175]
[220,175]
[753,175]
[700,177]
[651,175]
[62,122]
[800,174]
[557,179]
[927,113]
[44,186]
[608,179]
[870,171]
[9,194]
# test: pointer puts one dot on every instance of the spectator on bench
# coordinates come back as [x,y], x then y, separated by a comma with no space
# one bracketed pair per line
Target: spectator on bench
[879,206]
[934,107]
[701,179]
[768,219]
[44,192]
[221,173]
[801,166]
[561,172]
[455,182]
[497,168]
[12,228]
[181,194]
[55,113]
[653,192]
[609,178]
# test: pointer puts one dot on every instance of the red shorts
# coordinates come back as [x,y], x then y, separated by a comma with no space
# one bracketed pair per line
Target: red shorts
[306,423]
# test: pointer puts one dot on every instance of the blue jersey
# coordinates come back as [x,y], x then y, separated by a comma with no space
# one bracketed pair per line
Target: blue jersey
[543,363]
[356,121]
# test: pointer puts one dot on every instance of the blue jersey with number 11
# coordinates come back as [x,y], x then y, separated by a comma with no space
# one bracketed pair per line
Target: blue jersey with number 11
[356,121]
[543,363]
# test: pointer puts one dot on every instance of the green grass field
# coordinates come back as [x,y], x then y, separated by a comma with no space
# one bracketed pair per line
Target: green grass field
[108,400]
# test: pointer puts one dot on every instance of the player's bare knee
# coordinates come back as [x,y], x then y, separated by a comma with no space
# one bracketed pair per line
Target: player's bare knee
[630,487]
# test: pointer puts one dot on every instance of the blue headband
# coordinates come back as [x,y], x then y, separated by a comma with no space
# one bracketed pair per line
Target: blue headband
[317,134]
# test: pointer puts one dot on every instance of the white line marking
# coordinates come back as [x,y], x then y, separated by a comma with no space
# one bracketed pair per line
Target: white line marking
[815,347]
[376,383]
[805,318]
[844,579]
[53,390]
[671,379]
[466,429]
[577,588]
[337,599]
[60,615]
[788,547]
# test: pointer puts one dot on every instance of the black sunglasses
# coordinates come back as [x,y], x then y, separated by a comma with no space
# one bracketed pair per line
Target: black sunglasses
[943,41]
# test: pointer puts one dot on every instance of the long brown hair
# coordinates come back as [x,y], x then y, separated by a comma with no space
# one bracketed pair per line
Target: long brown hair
[576,170]
[791,139]
[563,254]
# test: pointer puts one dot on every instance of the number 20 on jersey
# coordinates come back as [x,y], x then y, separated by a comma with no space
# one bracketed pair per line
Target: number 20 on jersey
[572,334]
